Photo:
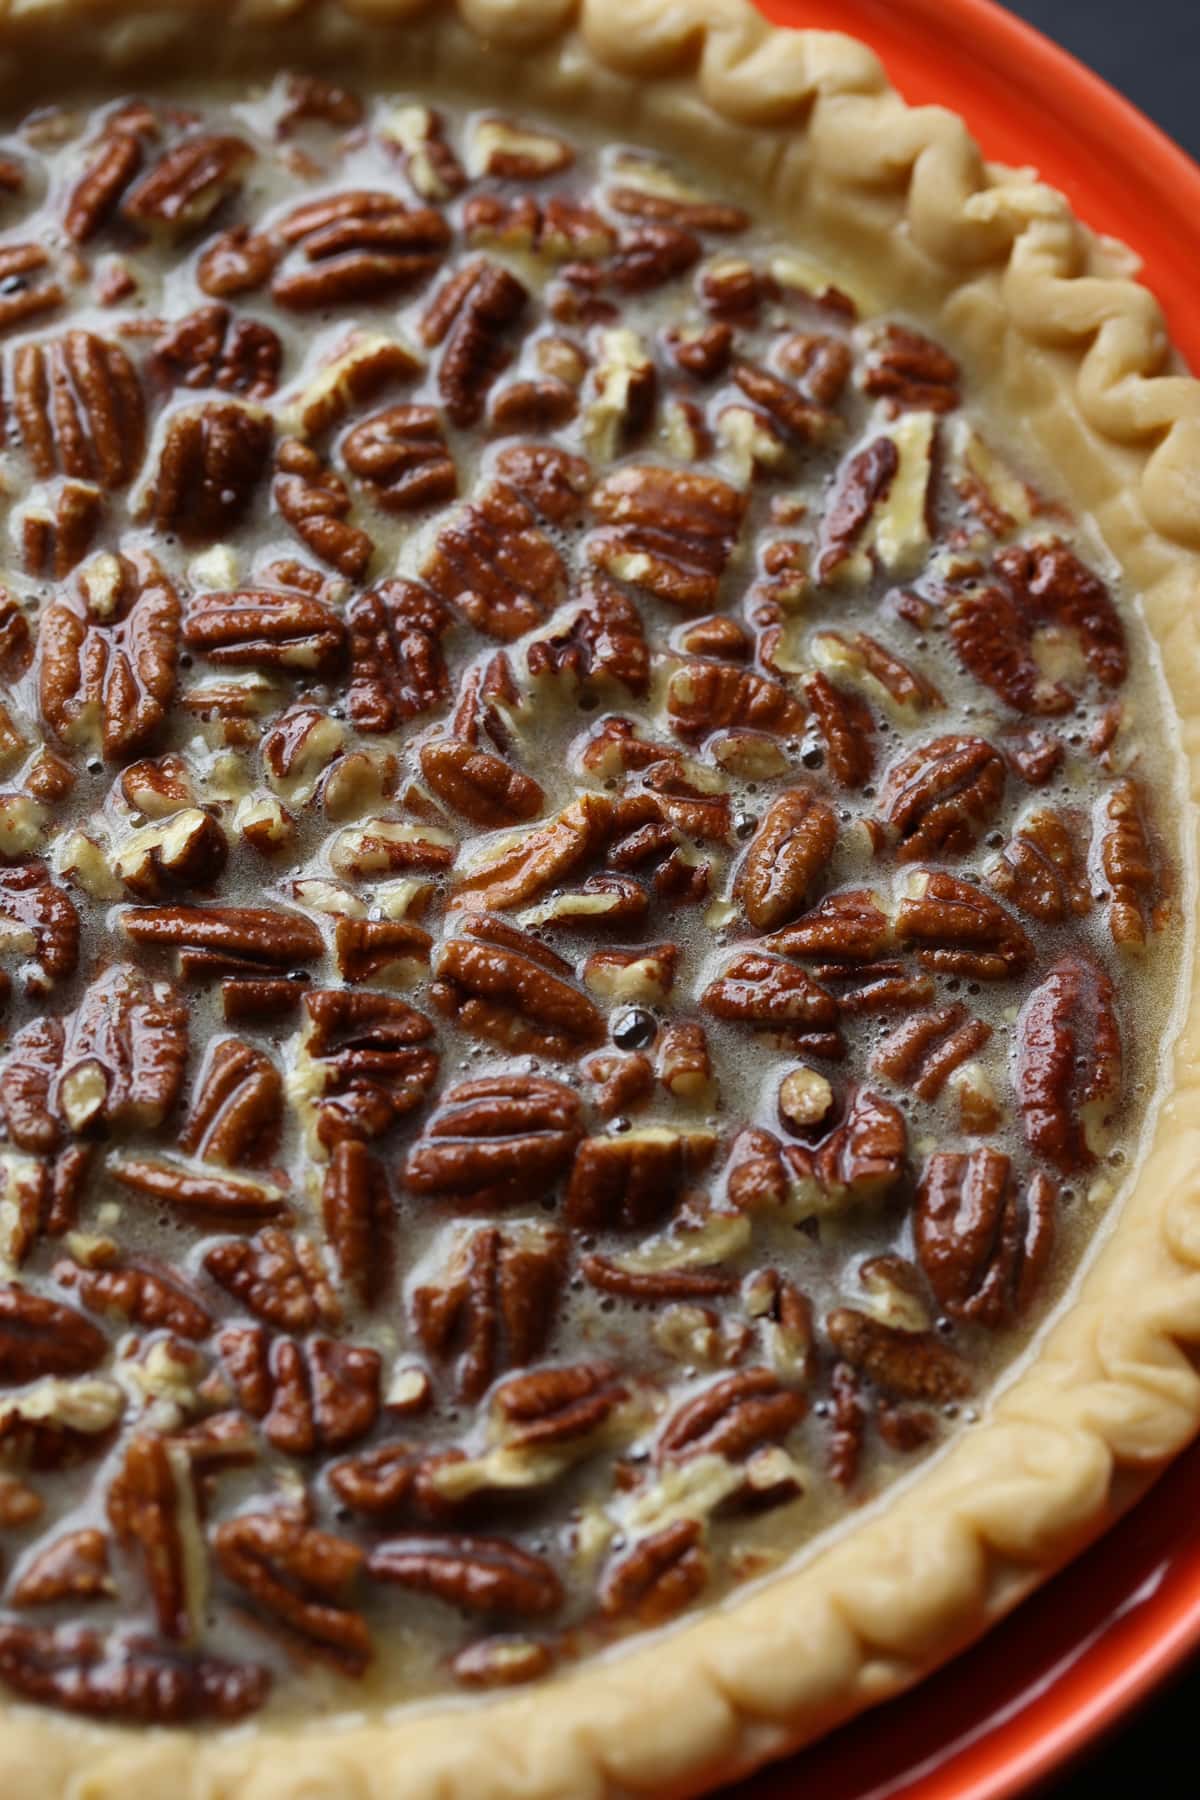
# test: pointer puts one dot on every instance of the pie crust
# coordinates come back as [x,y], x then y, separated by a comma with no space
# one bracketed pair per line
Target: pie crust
[1052,322]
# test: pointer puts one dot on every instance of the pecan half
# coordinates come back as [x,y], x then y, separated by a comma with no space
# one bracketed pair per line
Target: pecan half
[210,463]
[1068,1063]
[625,1183]
[401,457]
[1040,870]
[670,532]
[321,1395]
[278,1277]
[1053,586]
[357,247]
[732,1418]
[939,795]
[73,1568]
[658,1577]
[494,1305]
[397,667]
[123,1053]
[605,640]
[101,1676]
[212,347]
[115,160]
[237,1109]
[520,869]
[269,627]
[79,408]
[917,1365]
[791,848]
[356,1208]
[924,1051]
[144,1512]
[764,990]
[41,1337]
[226,940]
[144,1296]
[1129,862]
[983,1244]
[558,1405]
[703,697]
[846,727]
[372,1062]
[476,1574]
[498,1140]
[960,931]
[299,1578]
[316,503]
[493,562]
[911,371]
[187,185]
[863,484]
[473,314]
[107,667]
[233,1201]
[479,786]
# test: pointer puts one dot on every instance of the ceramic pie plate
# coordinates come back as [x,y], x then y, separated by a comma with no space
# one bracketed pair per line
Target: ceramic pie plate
[1052,315]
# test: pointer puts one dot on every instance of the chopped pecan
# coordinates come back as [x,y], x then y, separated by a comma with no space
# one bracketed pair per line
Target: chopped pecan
[511,152]
[1127,857]
[356,1209]
[419,138]
[144,1512]
[41,1337]
[107,673]
[397,667]
[1053,586]
[701,350]
[924,1051]
[847,729]
[479,786]
[237,262]
[270,627]
[101,1676]
[684,1063]
[155,1301]
[621,1082]
[805,1098]
[1068,1063]
[960,931]
[917,1365]
[494,1303]
[605,641]
[628,1182]
[74,1567]
[401,457]
[1036,755]
[497,1140]
[558,1405]
[380,950]
[372,1062]
[668,531]
[502,1662]
[315,502]
[472,315]
[911,371]
[938,796]
[311,97]
[212,347]
[864,483]
[237,1109]
[475,1574]
[983,1244]
[848,1435]
[299,1578]
[764,990]
[732,1418]
[39,918]
[703,697]
[791,848]
[992,637]
[859,1159]
[865,660]
[658,1577]
[172,856]
[321,1395]
[1041,872]
[276,1276]
[187,185]
[209,465]
[357,247]
[785,1316]
[79,408]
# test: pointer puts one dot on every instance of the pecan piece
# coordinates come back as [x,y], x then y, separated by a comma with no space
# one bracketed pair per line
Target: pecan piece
[79,409]
[924,1051]
[356,1208]
[394,1479]
[476,1574]
[659,1577]
[237,1110]
[321,1395]
[357,247]
[144,1512]
[764,990]
[992,637]
[212,347]
[558,1405]
[494,1303]
[847,729]
[703,697]
[506,987]
[1041,871]
[226,940]
[1068,1063]
[38,917]
[401,457]
[983,1244]
[107,673]
[1127,857]
[144,1296]
[473,313]
[210,463]
[130,1680]
[502,1662]
[492,562]
[73,1568]
[732,1418]
[479,786]
[916,1365]
[187,185]
[859,1159]
[42,1337]
[215,1200]
[418,137]
[960,931]
[299,1578]
[522,868]
[670,532]
[939,795]
[792,846]
[381,950]
[628,1182]
[397,667]
[911,371]
[605,640]
[1053,585]
[315,502]
[270,627]
[371,1061]
[277,1277]
[501,1139]
[864,483]
[123,1053]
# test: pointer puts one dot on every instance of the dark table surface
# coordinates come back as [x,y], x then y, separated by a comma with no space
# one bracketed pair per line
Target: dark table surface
[1150,49]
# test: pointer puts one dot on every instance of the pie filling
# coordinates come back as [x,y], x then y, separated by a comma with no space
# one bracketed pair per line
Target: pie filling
[583,921]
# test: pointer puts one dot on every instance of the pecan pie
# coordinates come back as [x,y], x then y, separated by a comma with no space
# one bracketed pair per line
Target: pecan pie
[595,906]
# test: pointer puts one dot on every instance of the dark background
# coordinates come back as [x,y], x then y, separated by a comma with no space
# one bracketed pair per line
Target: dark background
[1150,49]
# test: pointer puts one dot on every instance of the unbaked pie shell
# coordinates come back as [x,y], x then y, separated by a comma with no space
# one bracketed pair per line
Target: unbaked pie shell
[1053,325]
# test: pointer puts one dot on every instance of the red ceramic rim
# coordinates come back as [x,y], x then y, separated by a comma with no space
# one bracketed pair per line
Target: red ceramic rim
[1096,1640]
